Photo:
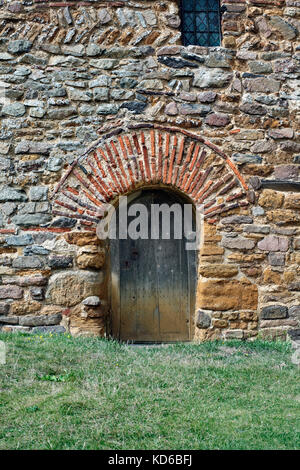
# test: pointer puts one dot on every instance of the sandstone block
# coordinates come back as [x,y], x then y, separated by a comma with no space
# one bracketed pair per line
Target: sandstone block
[208,250]
[90,260]
[23,307]
[227,295]
[270,198]
[292,201]
[81,238]
[218,270]
[71,287]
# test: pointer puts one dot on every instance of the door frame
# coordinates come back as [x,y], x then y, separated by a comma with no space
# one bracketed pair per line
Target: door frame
[114,291]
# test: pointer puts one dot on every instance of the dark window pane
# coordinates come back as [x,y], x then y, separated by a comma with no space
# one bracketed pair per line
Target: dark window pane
[202,39]
[214,39]
[189,22]
[201,5]
[188,5]
[189,38]
[213,5]
[200,20]
[213,19]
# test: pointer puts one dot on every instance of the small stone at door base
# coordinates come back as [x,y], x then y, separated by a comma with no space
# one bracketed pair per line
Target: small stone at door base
[92,301]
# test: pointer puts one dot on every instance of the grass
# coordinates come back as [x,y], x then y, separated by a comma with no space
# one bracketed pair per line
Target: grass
[59,392]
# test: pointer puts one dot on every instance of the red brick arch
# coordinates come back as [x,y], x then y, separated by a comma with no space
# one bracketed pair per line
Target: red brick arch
[149,154]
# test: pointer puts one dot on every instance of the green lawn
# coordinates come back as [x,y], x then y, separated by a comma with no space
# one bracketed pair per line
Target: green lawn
[59,392]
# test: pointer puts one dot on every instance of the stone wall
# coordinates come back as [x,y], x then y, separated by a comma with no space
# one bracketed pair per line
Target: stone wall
[75,75]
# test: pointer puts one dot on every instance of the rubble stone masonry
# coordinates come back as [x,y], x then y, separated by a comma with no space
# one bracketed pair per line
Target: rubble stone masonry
[98,98]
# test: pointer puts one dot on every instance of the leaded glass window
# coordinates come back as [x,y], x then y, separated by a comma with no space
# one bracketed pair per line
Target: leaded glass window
[201,22]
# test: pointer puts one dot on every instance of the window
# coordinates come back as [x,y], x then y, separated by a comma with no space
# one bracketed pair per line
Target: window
[201,22]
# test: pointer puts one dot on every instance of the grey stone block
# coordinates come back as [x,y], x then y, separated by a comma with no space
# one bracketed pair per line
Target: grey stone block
[40,320]
[49,329]
[203,320]
[274,312]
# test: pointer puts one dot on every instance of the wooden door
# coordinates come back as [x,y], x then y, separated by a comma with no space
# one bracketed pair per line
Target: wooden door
[153,282]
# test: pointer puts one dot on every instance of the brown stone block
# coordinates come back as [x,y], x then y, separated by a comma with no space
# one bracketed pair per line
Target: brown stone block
[238,325]
[81,323]
[271,277]
[283,216]
[23,307]
[7,249]
[252,325]
[212,238]
[229,42]
[125,37]
[71,287]
[270,198]
[208,250]
[51,310]
[220,323]
[210,233]
[248,316]
[218,270]
[240,258]
[82,238]
[31,272]
[230,315]
[252,272]
[88,331]
[152,36]
[295,258]
[200,335]
[279,157]
[213,334]
[258,170]
[289,276]
[90,260]
[211,259]
[227,295]
[297,244]
[292,201]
